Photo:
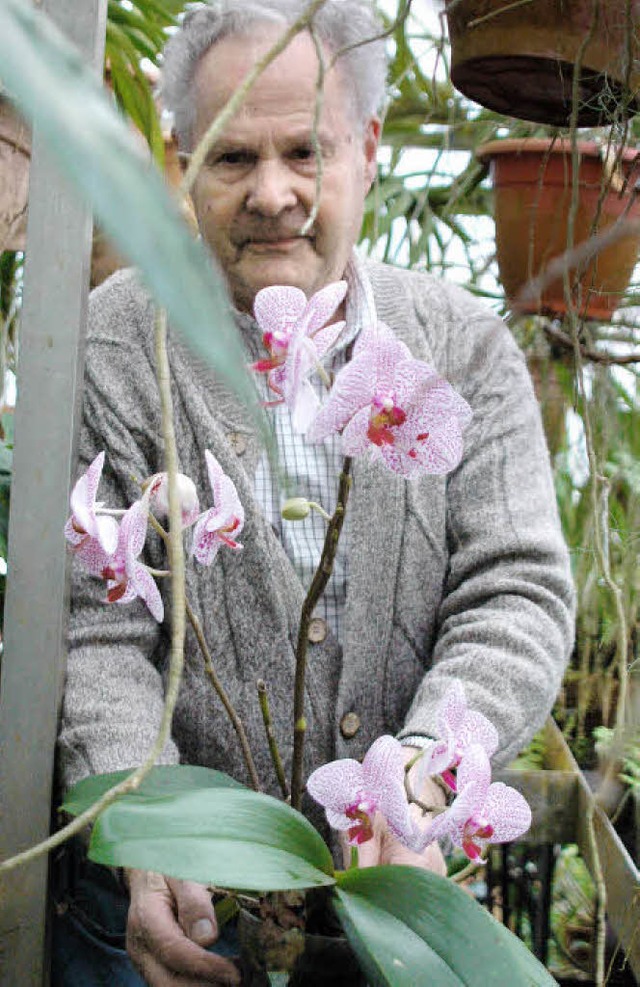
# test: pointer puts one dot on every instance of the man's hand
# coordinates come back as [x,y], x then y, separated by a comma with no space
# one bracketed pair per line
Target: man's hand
[385,848]
[169,923]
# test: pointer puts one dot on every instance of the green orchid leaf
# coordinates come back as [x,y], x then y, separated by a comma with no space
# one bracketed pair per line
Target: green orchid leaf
[200,825]
[164,779]
[409,926]
[45,76]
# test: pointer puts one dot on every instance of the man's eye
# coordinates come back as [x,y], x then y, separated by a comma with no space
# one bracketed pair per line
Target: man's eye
[233,158]
[303,153]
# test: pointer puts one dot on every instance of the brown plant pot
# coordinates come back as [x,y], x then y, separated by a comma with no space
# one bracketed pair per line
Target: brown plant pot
[518,58]
[305,960]
[15,160]
[533,191]
[15,153]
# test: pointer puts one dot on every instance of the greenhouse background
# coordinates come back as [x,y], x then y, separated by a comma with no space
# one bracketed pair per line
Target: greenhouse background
[433,207]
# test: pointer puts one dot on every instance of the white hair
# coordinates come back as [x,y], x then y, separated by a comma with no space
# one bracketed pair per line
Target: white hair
[338,24]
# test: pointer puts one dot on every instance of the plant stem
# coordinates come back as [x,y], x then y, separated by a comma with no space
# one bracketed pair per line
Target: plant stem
[468,870]
[263,699]
[316,589]
[134,780]
[213,677]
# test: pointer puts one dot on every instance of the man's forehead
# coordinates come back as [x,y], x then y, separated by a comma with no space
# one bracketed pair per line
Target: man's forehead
[289,84]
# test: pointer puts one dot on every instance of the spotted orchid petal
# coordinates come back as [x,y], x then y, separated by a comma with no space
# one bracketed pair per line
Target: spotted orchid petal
[351,793]
[127,578]
[482,812]
[322,306]
[459,728]
[396,407]
[221,524]
[297,337]
[278,309]
[85,523]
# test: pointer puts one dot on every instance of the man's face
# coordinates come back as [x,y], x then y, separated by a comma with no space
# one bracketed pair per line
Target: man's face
[258,185]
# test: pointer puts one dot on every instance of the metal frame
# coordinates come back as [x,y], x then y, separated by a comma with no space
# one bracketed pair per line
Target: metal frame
[50,375]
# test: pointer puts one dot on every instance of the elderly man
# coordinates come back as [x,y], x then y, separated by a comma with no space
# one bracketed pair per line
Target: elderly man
[441,579]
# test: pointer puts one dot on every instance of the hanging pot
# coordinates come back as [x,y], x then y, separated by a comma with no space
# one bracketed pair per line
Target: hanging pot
[533,192]
[518,58]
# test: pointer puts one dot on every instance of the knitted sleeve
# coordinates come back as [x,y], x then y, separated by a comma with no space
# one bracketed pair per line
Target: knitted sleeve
[506,621]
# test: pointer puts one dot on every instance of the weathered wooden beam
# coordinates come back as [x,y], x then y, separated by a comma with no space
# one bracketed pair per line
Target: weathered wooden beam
[51,334]
[562,801]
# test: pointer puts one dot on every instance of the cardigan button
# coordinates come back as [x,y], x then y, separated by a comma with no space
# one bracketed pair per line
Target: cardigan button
[238,442]
[317,630]
[349,725]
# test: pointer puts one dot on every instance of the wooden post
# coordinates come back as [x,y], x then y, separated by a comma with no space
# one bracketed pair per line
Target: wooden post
[49,384]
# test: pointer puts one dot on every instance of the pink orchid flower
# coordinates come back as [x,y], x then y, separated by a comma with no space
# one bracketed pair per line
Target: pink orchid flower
[458,728]
[296,336]
[396,407]
[223,522]
[352,793]
[157,489]
[126,577]
[482,813]
[93,537]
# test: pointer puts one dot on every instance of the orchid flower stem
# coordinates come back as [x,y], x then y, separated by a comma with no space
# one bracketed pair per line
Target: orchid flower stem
[354,857]
[158,573]
[236,722]
[199,156]
[317,149]
[133,781]
[434,810]
[230,710]
[263,699]
[320,509]
[316,589]
[323,375]
[468,871]
[414,760]
[110,511]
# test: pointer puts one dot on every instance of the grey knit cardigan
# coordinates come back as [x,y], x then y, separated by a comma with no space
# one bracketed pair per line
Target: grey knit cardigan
[459,577]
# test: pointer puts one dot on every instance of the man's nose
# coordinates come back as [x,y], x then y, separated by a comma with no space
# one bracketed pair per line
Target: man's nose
[271,190]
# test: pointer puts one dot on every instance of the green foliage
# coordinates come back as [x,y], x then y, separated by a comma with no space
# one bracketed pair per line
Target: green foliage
[138,30]
[409,926]
[590,692]
[161,780]
[200,825]
[630,773]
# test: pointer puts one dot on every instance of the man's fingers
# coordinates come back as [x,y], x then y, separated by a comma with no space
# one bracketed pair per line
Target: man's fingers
[196,914]
[158,945]
[157,975]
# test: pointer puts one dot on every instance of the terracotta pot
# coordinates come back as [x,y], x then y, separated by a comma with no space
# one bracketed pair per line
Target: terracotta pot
[532,182]
[518,58]
[15,159]
[301,960]
[15,152]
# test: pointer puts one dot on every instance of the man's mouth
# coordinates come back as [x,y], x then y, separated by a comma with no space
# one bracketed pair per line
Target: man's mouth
[275,244]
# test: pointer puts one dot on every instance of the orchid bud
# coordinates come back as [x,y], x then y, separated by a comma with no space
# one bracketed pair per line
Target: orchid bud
[296,509]
[187,496]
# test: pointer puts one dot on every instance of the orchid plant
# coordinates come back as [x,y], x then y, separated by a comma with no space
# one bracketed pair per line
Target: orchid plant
[386,404]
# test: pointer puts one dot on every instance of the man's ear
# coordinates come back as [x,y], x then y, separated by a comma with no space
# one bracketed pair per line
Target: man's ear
[371,139]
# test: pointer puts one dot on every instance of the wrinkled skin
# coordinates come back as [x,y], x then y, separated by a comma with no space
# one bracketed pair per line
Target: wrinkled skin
[169,924]
[259,183]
